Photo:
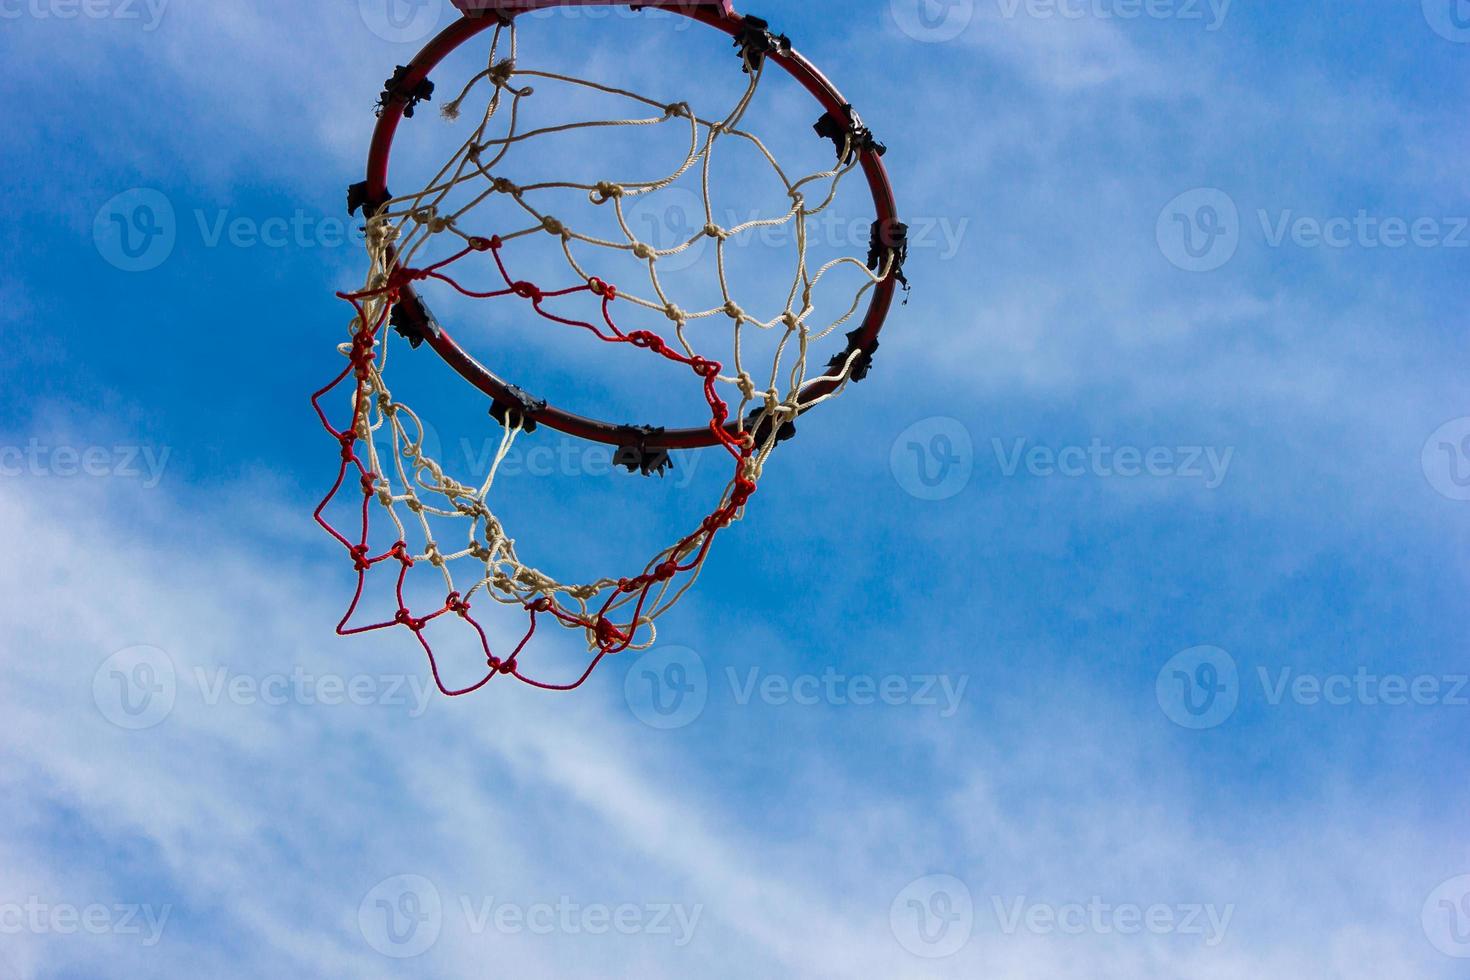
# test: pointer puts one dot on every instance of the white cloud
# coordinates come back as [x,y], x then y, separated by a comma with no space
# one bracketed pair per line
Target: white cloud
[275,822]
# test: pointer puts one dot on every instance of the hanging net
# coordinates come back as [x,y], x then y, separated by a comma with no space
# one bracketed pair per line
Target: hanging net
[417,519]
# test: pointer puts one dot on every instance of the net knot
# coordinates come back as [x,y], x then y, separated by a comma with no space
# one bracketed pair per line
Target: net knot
[400,551]
[380,233]
[455,603]
[734,312]
[501,73]
[429,217]
[533,578]
[608,635]
[402,276]
[644,252]
[792,321]
[405,618]
[504,186]
[360,558]
[528,290]
[678,109]
[554,226]
[746,384]
[431,552]
[673,312]
[361,354]
[646,340]
[600,288]
[605,191]
[715,231]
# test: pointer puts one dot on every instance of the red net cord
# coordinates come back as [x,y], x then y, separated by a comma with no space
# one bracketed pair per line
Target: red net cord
[610,635]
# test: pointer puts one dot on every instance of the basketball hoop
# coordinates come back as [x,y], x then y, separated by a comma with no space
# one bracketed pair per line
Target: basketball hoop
[382,443]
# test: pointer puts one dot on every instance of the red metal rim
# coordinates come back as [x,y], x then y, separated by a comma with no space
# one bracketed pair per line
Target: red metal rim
[481,15]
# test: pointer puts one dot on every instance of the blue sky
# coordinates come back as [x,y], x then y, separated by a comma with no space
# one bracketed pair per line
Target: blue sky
[1223,247]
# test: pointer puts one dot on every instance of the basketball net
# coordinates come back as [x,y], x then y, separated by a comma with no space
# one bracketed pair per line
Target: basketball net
[408,500]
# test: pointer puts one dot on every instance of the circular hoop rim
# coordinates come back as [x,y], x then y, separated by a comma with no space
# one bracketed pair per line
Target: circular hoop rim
[481,15]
